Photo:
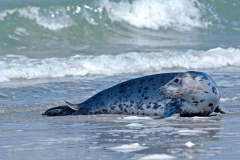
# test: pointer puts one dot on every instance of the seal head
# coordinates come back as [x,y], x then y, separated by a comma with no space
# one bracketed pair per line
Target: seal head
[195,93]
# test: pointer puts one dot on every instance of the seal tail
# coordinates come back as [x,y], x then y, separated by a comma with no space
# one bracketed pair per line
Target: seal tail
[68,109]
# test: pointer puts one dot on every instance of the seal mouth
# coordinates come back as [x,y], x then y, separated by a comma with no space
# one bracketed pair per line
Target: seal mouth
[163,92]
[174,95]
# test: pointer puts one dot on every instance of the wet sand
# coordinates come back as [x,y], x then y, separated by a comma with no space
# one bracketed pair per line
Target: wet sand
[31,136]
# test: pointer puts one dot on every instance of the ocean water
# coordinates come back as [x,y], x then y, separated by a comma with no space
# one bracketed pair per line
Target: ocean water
[54,50]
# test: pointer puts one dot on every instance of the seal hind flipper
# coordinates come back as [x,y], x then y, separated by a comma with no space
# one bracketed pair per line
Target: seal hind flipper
[75,107]
[59,111]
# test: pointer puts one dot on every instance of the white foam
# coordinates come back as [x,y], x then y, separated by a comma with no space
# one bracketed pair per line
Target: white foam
[21,31]
[59,140]
[14,67]
[137,118]
[128,148]
[52,18]
[152,14]
[189,144]
[195,132]
[134,125]
[235,98]
[3,15]
[157,156]
[13,37]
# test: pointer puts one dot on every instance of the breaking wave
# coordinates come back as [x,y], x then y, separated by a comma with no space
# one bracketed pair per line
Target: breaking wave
[18,67]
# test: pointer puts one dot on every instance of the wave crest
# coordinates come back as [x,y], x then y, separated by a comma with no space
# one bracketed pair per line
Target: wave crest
[152,14]
[54,18]
[14,67]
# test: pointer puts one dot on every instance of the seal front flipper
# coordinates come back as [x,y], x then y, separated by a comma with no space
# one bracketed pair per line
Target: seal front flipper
[220,109]
[172,108]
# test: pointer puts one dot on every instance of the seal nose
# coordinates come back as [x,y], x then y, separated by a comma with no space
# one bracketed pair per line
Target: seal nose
[162,91]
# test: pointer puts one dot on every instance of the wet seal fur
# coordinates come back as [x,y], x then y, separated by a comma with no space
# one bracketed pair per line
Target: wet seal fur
[185,94]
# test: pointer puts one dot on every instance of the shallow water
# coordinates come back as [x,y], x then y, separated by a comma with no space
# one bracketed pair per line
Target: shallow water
[24,132]
[94,137]
[69,50]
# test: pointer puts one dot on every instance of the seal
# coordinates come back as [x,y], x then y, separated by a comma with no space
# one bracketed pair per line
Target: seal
[184,94]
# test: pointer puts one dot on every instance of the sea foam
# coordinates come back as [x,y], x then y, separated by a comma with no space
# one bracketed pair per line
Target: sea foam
[152,14]
[128,148]
[54,18]
[15,67]
[157,156]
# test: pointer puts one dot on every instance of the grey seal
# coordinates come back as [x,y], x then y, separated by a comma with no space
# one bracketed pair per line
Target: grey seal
[184,94]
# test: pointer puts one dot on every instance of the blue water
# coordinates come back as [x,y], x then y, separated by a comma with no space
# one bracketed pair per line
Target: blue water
[58,50]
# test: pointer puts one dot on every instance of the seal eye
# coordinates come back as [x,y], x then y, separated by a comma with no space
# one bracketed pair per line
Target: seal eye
[176,80]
